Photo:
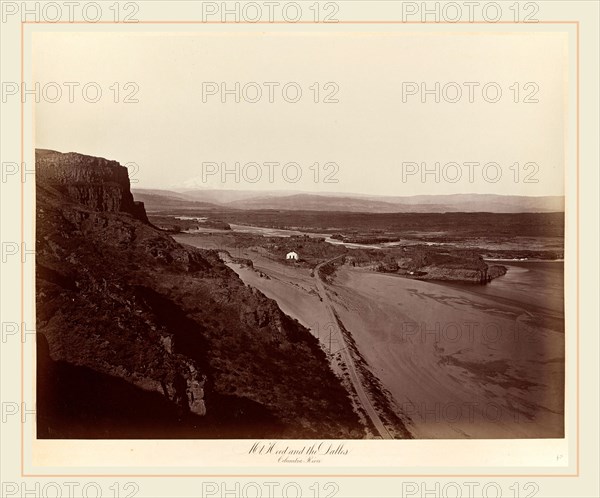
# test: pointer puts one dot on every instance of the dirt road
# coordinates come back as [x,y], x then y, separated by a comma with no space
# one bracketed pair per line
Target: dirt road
[354,377]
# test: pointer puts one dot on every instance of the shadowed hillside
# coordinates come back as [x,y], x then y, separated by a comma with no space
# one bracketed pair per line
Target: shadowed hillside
[140,336]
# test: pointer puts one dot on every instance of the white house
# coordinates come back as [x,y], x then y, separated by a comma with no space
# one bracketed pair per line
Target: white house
[291,256]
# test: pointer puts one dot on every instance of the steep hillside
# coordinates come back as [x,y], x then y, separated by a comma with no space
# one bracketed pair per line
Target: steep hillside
[139,336]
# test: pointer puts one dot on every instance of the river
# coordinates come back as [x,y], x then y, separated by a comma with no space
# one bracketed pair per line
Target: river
[459,360]
[474,361]
[515,244]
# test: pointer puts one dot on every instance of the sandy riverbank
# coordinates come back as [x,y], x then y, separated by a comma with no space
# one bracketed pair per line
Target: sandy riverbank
[459,364]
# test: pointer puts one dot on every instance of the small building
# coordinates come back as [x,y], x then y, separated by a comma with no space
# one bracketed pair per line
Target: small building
[291,256]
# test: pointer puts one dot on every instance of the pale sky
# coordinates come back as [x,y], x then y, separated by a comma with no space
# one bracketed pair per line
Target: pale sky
[369,133]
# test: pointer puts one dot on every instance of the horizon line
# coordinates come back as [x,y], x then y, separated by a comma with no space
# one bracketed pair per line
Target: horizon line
[322,193]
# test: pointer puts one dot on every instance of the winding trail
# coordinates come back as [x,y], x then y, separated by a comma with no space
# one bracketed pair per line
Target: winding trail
[354,377]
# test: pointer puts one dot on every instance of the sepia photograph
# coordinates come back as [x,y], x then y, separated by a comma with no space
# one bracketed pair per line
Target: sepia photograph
[299,249]
[302,235]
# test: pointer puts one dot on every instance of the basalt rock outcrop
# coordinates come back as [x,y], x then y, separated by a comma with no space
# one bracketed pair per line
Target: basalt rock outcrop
[467,275]
[447,265]
[95,182]
[140,336]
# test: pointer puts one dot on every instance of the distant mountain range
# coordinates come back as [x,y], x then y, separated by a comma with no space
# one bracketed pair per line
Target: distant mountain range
[155,199]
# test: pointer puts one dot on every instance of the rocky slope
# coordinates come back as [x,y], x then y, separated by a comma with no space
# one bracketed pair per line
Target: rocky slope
[139,336]
[458,265]
[476,276]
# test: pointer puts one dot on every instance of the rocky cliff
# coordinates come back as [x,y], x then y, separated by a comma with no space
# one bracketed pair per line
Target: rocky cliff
[480,276]
[140,336]
[95,182]
[453,265]
[459,274]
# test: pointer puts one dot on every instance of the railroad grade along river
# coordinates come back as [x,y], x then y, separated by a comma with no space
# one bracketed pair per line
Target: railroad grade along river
[459,360]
